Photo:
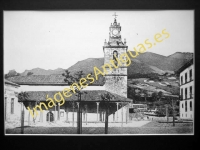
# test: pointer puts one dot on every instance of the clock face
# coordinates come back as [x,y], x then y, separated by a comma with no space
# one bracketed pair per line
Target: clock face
[115,32]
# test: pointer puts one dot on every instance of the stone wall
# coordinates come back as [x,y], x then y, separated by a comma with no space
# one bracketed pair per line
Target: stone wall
[116,85]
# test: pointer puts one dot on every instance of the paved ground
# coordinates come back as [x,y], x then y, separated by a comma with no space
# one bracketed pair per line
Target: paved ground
[151,127]
[100,124]
[132,123]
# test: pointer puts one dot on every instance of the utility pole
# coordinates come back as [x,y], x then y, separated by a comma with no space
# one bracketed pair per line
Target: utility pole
[78,118]
[79,113]
[22,118]
[167,114]
[106,119]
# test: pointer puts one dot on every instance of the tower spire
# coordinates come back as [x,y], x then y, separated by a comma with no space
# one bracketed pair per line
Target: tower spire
[115,16]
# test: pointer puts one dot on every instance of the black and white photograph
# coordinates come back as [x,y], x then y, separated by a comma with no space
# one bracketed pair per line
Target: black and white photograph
[99,72]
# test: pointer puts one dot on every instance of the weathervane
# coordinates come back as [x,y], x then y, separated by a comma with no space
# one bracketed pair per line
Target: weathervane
[115,15]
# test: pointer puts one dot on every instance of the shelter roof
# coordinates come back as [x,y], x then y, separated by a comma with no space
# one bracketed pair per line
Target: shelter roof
[90,95]
[54,79]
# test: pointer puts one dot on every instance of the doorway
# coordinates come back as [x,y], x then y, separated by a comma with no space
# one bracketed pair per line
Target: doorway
[51,116]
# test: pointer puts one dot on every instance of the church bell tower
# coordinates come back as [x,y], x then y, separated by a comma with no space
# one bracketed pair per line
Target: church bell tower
[116,80]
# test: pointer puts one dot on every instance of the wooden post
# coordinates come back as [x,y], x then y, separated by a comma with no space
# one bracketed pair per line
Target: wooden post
[167,113]
[106,121]
[122,115]
[97,111]
[117,110]
[128,112]
[78,118]
[66,115]
[22,118]
[114,117]
[100,116]
[55,113]
[58,111]
[81,116]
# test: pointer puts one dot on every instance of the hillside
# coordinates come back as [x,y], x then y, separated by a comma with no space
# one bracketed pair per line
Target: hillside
[40,71]
[146,63]
[86,65]
[162,62]
[181,55]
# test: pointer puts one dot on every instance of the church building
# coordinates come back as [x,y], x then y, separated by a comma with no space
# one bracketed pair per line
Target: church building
[39,86]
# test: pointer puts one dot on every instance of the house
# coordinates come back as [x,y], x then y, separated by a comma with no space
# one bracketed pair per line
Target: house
[186,73]
[12,108]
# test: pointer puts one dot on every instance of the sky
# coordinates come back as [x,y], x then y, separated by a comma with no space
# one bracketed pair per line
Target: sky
[59,39]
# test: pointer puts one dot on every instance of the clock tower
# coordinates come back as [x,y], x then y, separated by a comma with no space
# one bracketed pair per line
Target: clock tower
[116,79]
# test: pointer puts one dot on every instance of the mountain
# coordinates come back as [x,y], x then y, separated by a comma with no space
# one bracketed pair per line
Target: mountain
[143,64]
[40,71]
[181,55]
[87,65]
[170,63]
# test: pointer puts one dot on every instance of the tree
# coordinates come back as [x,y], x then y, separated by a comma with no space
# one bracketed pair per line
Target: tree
[106,97]
[11,73]
[29,73]
[154,96]
[160,95]
[23,97]
[145,95]
[70,79]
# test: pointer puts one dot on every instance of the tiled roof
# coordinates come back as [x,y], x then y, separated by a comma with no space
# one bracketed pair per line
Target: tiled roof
[9,82]
[45,80]
[92,95]
[186,65]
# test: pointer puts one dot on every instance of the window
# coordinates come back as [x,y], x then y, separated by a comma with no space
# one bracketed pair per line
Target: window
[181,80]
[190,74]
[5,106]
[185,93]
[181,94]
[185,106]
[12,105]
[190,91]
[190,105]
[186,77]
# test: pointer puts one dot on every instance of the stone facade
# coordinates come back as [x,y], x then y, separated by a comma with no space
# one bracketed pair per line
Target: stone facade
[116,78]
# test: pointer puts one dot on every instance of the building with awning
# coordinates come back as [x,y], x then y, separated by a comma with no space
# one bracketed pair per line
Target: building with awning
[114,83]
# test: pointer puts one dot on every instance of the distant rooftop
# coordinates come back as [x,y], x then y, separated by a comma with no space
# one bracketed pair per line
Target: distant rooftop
[186,65]
[11,83]
[55,79]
